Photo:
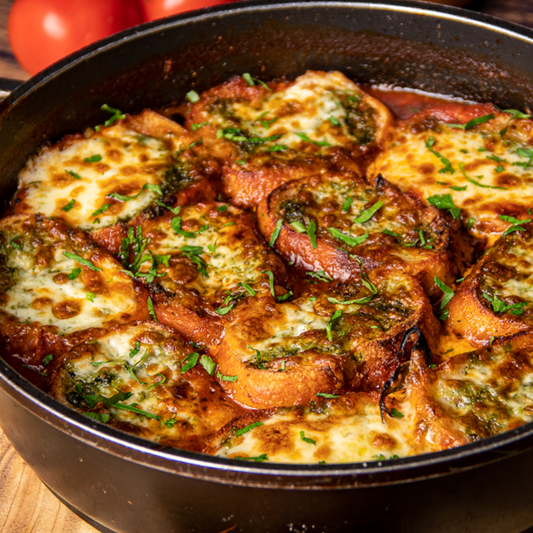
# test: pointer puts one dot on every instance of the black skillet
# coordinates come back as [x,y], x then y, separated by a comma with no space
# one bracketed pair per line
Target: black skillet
[128,485]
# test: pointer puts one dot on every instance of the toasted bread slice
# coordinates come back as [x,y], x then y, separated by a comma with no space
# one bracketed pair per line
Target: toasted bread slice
[471,396]
[328,341]
[101,180]
[472,161]
[57,288]
[335,223]
[267,135]
[145,380]
[496,298]
[200,263]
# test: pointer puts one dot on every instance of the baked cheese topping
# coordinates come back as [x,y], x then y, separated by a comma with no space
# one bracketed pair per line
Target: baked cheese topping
[485,174]
[326,434]
[488,391]
[165,401]
[507,274]
[347,209]
[53,282]
[319,110]
[334,321]
[93,182]
[227,259]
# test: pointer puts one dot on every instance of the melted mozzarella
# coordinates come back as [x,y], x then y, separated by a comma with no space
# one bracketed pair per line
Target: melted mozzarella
[502,180]
[70,306]
[339,437]
[58,175]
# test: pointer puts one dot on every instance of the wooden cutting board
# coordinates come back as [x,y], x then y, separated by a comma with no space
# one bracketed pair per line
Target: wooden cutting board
[26,505]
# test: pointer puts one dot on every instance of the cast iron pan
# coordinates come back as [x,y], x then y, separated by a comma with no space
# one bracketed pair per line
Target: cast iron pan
[125,484]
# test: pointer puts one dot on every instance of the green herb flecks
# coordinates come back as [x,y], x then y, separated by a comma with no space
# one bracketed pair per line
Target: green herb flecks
[445,202]
[69,206]
[82,261]
[276,232]
[146,186]
[516,223]
[499,306]
[93,158]
[446,162]
[307,439]
[330,323]
[474,182]
[190,362]
[471,123]
[306,138]
[367,214]
[448,294]
[242,431]
[350,241]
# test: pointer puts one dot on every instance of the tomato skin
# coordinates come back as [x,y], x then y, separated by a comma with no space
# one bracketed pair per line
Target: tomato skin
[43,31]
[155,9]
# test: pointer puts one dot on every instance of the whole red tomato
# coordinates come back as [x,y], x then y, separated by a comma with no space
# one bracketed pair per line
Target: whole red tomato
[155,9]
[43,31]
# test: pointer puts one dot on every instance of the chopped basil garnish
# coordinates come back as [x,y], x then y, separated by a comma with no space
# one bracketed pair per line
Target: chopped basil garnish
[258,459]
[499,306]
[208,364]
[276,232]
[270,275]
[151,309]
[334,121]
[350,241]
[396,414]
[515,223]
[320,275]
[193,254]
[48,359]
[69,206]
[73,174]
[74,274]
[445,201]
[515,114]
[305,138]
[222,377]
[79,259]
[190,362]
[196,127]
[116,115]
[347,204]
[306,439]
[248,428]
[225,310]
[448,293]
[299,227]
[473,181]
[146,186]
[446,162]
[327,395]
[98,417]
[367,214]
[471,123]
[311,232]
[330,322]
[101,210]
[93,158]
[15,244]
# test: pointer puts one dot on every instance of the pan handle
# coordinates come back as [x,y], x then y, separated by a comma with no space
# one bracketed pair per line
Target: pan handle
[6,86]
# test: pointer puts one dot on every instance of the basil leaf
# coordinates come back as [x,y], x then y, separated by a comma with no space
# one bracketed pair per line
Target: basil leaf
[208,364]
[93,158]
[248,428]
[445,201]
[190,362]
[85,262]
[367,214]
[305,138]
[448,293]
[193,97]
[69,206]
[276,232]
[471,123]
[446,162]
[350,241]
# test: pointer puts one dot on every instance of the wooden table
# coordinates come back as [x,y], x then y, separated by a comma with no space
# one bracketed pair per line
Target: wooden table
[26,505]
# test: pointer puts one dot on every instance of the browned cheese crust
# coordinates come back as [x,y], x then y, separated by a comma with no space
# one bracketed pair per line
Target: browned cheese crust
[472,161]
[200,263]
[137,379]
[266,135]
[335,223]
[58,288]
[334,338]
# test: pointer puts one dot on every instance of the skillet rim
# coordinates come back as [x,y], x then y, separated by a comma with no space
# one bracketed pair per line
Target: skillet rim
[150,454]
